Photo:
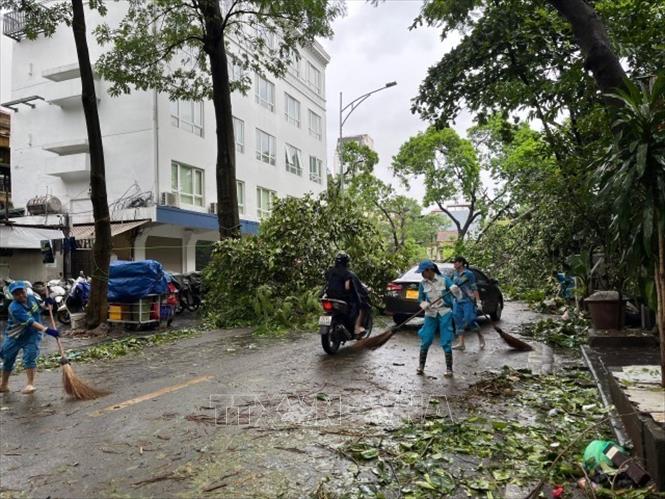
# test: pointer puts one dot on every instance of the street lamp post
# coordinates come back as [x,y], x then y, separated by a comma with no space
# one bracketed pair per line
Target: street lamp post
[351,106]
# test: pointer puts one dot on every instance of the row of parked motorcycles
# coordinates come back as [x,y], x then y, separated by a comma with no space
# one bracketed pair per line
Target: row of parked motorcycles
[71,295]
[189,291]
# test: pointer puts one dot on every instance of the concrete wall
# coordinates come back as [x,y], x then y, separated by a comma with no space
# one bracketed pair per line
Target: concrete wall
[27,265]
[126,123]
[185,239]
[6,46]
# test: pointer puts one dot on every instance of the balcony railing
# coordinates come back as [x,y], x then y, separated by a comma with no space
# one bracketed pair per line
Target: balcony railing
[13,25]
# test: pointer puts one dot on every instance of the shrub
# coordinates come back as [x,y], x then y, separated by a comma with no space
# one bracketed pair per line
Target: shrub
[273,280]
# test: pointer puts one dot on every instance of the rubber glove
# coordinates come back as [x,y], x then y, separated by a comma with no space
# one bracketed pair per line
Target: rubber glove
[424,305]
[456,291]
[53,332]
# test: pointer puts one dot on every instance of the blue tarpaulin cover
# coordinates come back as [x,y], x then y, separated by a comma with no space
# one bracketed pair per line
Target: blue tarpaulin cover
[129,281]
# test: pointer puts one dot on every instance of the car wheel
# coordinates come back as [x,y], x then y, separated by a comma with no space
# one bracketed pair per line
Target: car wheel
[496,314]
[399,318]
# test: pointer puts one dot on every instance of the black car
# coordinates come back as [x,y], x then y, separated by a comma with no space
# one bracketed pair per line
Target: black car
[402,293]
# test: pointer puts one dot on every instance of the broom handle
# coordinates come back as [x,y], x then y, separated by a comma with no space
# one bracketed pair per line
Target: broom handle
[419,312]
[50,313]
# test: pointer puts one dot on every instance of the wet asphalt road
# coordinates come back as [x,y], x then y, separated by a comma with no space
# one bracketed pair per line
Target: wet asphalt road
[226,414]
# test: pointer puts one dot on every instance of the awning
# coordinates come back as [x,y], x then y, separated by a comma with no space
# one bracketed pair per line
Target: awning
[26,237]
[87,231]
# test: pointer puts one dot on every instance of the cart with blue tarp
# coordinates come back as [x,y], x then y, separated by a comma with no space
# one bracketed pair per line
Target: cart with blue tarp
[136,293]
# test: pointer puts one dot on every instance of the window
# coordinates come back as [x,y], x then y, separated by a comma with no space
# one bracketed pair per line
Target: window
[187,182]
[265,93]
[188,115]
[240,188]
[315,169]
[315,128]
[293,159]
[266,147]
[236,73]
[239,134]
[294,64]
[264,201]
[292,110]
[314,78]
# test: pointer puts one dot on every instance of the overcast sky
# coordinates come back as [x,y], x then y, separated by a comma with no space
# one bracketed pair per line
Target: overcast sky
[373,46]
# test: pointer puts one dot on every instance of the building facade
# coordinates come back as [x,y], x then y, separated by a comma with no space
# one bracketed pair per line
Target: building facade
[160,155]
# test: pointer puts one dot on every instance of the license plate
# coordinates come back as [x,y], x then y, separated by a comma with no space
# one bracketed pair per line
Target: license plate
[411,294]
[325,320]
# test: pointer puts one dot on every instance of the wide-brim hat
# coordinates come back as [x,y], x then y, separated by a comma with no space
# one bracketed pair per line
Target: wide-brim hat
[426,265]
[17,285]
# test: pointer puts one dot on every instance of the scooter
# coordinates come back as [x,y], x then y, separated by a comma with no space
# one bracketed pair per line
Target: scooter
[57,292]
[75,302]
[336,326]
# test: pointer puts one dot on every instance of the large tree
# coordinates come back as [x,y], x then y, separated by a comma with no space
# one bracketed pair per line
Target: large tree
[560,60]
[399,217]
[185,49]
[521,55]
[450,167]
[46,19]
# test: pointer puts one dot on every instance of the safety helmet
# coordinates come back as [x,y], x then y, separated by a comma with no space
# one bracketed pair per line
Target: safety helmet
[342,258]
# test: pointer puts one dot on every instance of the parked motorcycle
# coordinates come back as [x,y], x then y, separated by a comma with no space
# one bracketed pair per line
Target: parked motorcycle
[57,290]
[5,298]
[189,291]
[336,327]
[75,301]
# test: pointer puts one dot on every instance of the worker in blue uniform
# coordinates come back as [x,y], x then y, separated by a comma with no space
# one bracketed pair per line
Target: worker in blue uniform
[23,333]
[466,302]
[434,295]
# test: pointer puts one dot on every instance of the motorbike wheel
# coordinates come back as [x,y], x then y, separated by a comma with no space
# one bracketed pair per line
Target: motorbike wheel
[329,343]
[194,305]
[64,317]
[496,314]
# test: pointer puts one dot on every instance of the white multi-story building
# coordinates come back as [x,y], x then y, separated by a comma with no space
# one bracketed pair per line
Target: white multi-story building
[160,155]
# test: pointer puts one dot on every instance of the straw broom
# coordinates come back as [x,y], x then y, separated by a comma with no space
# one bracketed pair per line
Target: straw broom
[73,385]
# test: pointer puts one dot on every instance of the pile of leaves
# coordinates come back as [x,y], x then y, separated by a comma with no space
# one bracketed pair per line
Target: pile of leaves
[115,348]
[482,453]
[561,333]
[272,281]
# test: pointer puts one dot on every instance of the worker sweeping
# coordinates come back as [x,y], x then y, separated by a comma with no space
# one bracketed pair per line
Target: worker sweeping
[434,295]
[464,308]
[23,332]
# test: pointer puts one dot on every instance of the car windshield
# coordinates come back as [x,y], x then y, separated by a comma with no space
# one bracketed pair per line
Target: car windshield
[412,274]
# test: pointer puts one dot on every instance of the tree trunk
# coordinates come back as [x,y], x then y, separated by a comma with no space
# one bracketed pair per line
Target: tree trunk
[225,167]
[659,277]
[592,38]
[461,231]
[97,311]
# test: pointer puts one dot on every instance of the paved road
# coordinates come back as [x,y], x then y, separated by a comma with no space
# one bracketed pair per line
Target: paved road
[171,426]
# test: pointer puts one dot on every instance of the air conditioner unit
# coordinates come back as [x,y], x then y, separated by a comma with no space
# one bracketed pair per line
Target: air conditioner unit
[169,199]
[212,208]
